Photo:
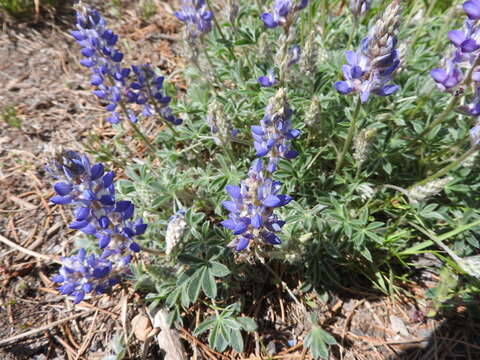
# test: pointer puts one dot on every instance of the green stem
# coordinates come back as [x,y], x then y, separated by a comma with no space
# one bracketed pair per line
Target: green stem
[217,26]
[447,168]
[437,241]
[152,251]
[419,30]
[143,137]
[157,110]
[137,130]
[210,62]
[277,277]
[352,33]
[459,230]
[351,132]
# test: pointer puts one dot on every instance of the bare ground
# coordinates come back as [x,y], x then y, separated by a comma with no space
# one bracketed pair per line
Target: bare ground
[48,96]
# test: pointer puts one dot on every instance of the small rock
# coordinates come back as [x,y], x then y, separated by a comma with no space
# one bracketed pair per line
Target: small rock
[141,327]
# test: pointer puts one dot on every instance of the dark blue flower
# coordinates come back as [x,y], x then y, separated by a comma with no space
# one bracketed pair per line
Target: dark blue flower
[251,208]
[90,191]
[101,57]
[370,69]
[273,137]
[146,90]
[196,16]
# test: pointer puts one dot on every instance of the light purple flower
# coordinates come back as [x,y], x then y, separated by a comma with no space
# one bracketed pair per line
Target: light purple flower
[267,80]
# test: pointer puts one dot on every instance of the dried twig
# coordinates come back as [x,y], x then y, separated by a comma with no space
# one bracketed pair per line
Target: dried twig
[43,328]
[27,251]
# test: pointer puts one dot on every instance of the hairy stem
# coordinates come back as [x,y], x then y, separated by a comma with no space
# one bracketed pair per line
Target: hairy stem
[351,133]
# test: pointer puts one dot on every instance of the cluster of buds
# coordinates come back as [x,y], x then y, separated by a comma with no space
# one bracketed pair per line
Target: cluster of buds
[220,127]
[252,219]
[273,136]
[422,192]
[196,16]
[286,57]
[251,208]
[359,7]
[90,191]
[283,13]
[308,60]
[312,116]
[175,229]
[361,144]
[113,84]
[369,69]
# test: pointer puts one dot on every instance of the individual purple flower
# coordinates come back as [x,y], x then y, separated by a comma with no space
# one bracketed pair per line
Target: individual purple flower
[282,13]
[370,69]
[102,58]
[267,80]
[472,9]
[447,78]
[196,16]
[146,90]
[273,137]
[252,205]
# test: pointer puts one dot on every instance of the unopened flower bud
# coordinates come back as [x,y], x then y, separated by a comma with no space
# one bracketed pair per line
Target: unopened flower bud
[422,192]
[312,116]
[362,144]
[175,229]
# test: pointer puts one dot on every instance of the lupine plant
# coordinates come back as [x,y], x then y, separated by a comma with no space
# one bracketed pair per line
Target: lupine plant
[280,171]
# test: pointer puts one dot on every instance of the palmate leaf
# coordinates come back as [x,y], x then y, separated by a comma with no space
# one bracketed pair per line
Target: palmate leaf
[317,342]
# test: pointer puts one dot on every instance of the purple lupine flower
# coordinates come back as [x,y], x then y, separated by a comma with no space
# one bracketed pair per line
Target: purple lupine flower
[282,12]
[252,219]
[102,57]
[91,193]
[196,16]
[272,138]
[369,69]
[267,80]
[81,274]
[472,9]
[359,7]
[146,90]
[465,55]
[447,78]
[294,55]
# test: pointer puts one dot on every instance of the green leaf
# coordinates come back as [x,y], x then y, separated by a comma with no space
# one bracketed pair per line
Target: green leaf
[188,259]
[218,270]
[236,340]
[327,337]
[209,285]
[317,341]
[194,285]
[204,326]
[248,324]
